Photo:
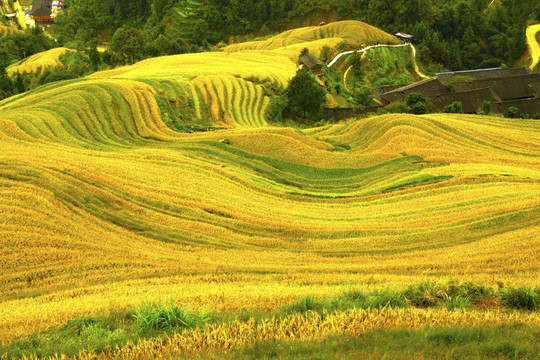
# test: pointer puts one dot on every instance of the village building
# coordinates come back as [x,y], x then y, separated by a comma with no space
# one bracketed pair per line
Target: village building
[502,87]
[42,11]
[427,86]
[482,74]
[507,88]
[312,63]
[405,37]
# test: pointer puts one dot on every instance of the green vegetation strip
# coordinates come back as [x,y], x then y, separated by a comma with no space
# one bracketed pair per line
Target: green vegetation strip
[514,341]
[117,328]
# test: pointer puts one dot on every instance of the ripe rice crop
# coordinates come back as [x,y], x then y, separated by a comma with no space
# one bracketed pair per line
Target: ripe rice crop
[291,42]
[38,62]
[103,205]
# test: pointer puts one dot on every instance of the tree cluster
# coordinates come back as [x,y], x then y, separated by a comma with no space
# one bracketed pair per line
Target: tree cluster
[458,34]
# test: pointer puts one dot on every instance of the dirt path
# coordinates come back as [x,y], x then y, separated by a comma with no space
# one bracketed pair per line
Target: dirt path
[533,44]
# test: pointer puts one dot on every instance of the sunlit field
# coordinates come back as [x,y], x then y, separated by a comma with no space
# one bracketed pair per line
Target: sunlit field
[290,43]
[105,206]
[38,62]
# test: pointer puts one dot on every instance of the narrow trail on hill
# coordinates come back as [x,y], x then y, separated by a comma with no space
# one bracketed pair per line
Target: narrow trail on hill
[363,50]
[533,43]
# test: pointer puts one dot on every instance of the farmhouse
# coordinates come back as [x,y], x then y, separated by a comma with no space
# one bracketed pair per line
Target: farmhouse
[10,16]
[311,63]
[427,86]
[482,74]
[502,87]
[41,12]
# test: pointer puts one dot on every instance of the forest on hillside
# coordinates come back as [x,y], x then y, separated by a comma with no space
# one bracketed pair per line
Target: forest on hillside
[453,35]
[458,34]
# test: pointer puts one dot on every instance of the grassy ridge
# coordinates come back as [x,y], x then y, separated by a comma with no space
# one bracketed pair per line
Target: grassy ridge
[7,30]
[151,320]
[38,62]
[291,42]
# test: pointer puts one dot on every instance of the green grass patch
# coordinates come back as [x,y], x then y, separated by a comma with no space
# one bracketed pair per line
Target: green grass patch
[157,317]
[117,328]
[512,341]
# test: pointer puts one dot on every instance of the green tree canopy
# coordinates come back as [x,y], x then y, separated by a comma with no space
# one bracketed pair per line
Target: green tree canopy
[305,98]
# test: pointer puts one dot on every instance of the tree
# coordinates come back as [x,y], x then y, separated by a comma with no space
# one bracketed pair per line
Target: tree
[305,98]
[512,112]
[134,48]
[486,107]
[201,30]
[356,64]
[117,45]
[95,57]
[363,97]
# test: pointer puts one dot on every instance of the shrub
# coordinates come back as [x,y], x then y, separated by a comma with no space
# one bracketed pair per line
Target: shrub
[536,116]
[416,103]
[486,107]
[512,112]
[396,107]
[455,107]
[363,96]
[523,298]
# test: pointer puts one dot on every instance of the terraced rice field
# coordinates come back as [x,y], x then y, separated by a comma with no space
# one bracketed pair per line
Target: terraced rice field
[7,30]
[104,206]
[291,42]
[38,62]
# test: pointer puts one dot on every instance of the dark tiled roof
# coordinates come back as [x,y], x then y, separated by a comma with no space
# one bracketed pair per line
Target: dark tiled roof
[428,87]
[471,100]
[511,87]
[377,92]
[41,7]
[524,106]
[483,73]
[311,61]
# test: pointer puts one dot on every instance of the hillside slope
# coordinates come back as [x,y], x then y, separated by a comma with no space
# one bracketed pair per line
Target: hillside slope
[7,30]
[410,197]
[38,62]
[534,47]
[291,42]
[104,205]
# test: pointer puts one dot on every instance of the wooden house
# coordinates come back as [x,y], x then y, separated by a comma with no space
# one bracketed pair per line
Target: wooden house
[311,63]
[41,12]
[502,87]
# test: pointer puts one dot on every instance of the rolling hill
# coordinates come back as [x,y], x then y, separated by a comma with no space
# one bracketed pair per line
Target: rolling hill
[104,205]
[291,42]
[7,30]
[38,62]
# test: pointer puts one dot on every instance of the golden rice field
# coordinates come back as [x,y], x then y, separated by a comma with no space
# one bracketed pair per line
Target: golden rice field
[103,206]
[38,62]
[291,42]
